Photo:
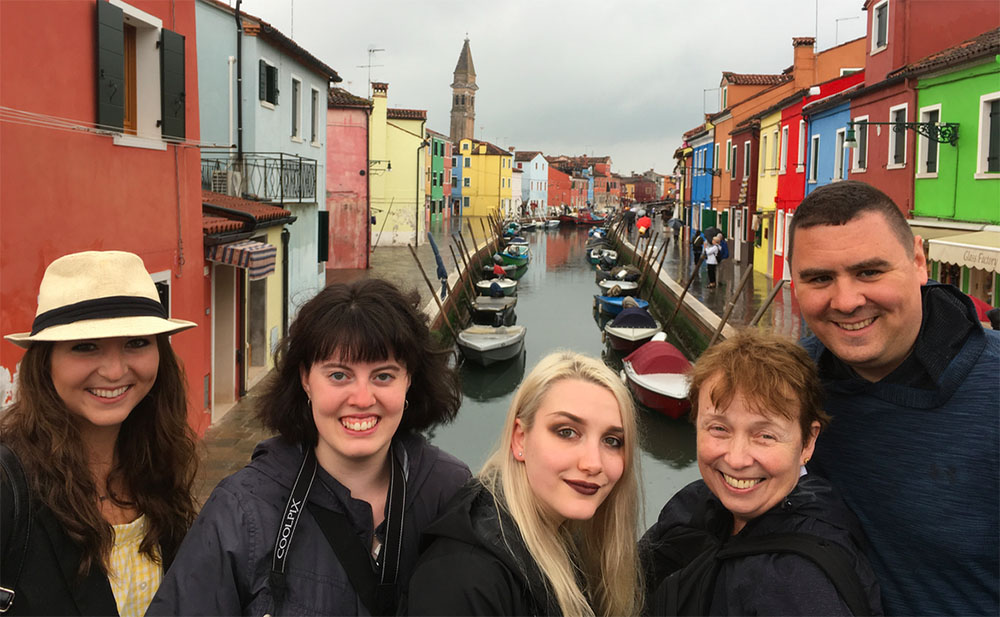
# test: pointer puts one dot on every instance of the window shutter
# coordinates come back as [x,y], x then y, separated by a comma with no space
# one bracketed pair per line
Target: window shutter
[993,145]
[262,81]
[323,237]
[172,103]
[110,66]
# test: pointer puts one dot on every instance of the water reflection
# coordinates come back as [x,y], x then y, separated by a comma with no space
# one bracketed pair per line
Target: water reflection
[556,304]
[487,383]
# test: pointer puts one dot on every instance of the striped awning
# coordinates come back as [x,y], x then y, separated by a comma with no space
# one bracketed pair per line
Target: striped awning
[257,258]
[980,249]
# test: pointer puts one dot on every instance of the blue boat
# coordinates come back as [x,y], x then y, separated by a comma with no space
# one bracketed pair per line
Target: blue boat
[612,305]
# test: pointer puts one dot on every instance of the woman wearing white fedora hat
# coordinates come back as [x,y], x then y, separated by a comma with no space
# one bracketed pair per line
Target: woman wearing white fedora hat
[98,436]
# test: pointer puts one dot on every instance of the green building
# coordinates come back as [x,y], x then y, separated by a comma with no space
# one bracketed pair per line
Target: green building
[438,149]
[956,205]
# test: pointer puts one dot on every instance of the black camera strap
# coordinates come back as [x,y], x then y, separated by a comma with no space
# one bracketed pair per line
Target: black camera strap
[375,585]
[286,529]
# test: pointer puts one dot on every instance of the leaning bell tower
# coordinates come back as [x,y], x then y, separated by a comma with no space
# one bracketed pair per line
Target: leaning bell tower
[463,102]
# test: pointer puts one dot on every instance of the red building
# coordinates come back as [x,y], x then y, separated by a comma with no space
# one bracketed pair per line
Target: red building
[560,187]
[347,179]
[791,168]
[91,162]
[901,32]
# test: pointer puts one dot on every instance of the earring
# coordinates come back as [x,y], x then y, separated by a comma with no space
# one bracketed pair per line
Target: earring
[406,404]
[805,461]
[520,454]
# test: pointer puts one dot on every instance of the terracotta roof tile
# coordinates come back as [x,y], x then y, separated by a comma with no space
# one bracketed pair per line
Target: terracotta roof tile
[259,210]
[525,155]
[394,113]
[803,40]
[338,97]
[986,44]
[211,224]
[754,79]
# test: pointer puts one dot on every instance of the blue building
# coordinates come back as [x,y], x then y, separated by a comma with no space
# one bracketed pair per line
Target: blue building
[827,158]
[702,165]
[535,181]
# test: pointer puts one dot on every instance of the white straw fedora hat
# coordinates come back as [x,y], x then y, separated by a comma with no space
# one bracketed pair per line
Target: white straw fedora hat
[97,294]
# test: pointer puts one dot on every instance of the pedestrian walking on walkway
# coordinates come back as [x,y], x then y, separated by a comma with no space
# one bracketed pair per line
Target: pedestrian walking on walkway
[326,519]
[712,251]
[98,456]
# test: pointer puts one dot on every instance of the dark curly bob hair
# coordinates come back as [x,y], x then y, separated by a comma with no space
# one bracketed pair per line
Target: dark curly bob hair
[369,320]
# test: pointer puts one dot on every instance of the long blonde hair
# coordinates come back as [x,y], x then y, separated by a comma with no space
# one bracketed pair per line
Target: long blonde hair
[602,549]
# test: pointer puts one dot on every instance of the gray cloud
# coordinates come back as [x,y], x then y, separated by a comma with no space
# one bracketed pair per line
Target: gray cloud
[624,79]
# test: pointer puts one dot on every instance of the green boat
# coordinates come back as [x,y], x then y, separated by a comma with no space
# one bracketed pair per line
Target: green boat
[516,254]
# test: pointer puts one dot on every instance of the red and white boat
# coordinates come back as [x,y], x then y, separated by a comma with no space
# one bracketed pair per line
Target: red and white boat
[657,375]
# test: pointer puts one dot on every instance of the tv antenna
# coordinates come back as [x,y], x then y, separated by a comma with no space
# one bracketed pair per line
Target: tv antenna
[371,56]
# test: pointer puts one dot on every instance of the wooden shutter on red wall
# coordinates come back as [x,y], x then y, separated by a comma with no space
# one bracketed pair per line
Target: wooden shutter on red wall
[172,91]
[110,66]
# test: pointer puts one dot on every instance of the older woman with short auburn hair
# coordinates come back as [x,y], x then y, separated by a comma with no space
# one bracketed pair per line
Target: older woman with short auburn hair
[757,535]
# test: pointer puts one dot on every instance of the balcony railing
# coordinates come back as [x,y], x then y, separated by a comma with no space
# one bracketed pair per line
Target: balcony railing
[263,176]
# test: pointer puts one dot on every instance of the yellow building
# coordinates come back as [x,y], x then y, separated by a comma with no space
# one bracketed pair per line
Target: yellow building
[767,189]
[486,181]
[396,153]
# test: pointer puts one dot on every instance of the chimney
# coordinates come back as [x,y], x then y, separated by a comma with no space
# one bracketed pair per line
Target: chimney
[510,148]
[804,63]
[380,89]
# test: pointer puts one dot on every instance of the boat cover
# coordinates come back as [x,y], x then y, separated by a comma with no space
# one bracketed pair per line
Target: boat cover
[634,318]
[658,357]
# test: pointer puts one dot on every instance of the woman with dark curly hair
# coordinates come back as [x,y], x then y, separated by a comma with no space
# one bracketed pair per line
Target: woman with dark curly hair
[326,519]
[99,429]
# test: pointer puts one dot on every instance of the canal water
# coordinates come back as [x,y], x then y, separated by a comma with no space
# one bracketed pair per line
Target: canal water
[556,304]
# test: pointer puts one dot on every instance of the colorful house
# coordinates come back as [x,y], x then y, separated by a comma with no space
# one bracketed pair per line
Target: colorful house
[793,140]
[396,166]
[535,182]
[901,32]
[92,162]
[279,130]
[956,207]
[767,188]
[560,188]
[437,156]
[486,178]
[347,177]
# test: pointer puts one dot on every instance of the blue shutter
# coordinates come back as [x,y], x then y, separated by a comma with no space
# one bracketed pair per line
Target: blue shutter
[110,66]
[172,102]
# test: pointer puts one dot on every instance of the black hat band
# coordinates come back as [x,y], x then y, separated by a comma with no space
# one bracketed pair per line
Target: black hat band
[99,308]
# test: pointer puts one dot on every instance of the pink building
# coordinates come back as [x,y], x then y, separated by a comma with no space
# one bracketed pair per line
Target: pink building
[347,193]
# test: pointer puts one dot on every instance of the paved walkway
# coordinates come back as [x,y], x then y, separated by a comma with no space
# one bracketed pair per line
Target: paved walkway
[228,444]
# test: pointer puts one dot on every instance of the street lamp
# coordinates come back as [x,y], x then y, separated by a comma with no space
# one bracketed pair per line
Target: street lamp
[940,132]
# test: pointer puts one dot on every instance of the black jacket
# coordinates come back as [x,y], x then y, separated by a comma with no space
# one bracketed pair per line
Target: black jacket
[477,564]
[48,584]
[223,565]
[770,584]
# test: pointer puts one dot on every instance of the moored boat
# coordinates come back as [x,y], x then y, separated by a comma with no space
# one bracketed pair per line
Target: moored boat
[487,345]
[551,223]
[596,254]
[487,311]
[507,286]
[612,305]
[516,254]
[656,374]
[625,288]
[631,328]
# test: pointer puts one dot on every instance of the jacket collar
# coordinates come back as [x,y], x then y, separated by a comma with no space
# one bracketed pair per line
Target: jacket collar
[92,595]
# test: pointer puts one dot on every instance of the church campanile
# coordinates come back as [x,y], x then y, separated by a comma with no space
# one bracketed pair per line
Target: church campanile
[463,104]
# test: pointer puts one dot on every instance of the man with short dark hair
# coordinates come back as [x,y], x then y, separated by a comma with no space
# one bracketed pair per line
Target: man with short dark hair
[913,388]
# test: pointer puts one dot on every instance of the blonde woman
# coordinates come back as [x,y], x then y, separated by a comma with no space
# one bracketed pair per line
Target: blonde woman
[549,525]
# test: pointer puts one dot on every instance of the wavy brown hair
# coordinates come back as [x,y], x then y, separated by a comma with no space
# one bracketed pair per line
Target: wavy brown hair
[365,321]
[155,459]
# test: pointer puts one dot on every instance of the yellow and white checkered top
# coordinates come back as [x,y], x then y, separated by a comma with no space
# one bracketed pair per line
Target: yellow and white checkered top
[134,577]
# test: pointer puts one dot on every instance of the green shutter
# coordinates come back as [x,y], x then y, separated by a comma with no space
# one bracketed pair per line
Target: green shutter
[110,66]
[323,235]
[172,102]
[262,80]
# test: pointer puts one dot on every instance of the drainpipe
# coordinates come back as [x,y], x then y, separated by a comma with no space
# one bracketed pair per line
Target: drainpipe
[239,86]
[416,196]
[285,234]
[368,188]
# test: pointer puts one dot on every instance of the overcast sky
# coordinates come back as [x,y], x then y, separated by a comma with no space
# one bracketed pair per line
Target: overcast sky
[622,78]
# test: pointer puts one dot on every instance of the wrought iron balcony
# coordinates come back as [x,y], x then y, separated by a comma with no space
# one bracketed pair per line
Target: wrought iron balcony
[264,176]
